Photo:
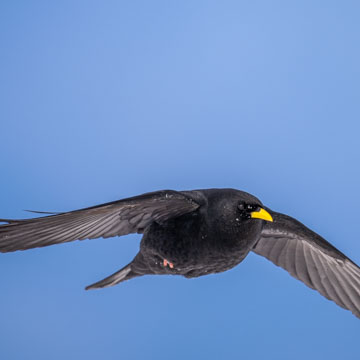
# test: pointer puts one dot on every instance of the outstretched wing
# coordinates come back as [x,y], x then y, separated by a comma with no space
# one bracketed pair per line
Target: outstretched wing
[112,219]
[308,257]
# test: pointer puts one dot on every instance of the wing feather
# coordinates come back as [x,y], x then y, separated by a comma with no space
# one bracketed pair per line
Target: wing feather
[301,266]
[308,257]
[112,219]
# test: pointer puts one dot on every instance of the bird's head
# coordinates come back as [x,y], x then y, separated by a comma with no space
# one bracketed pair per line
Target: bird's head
[250,217]
[237,208]
[235,216]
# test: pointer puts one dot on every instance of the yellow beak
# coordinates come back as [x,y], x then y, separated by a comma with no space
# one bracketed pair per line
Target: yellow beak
[262,214]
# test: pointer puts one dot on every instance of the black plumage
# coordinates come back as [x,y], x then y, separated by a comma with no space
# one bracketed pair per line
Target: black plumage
[195,233]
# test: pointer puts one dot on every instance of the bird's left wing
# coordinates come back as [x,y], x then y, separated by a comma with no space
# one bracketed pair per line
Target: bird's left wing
[112,219]
[308,257]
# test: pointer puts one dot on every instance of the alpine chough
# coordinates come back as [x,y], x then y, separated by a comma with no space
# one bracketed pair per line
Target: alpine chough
[195,233]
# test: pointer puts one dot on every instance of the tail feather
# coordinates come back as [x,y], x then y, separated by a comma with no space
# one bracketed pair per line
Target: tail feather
[122,275]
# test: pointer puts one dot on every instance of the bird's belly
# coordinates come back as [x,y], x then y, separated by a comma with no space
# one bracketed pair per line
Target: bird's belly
[192,250]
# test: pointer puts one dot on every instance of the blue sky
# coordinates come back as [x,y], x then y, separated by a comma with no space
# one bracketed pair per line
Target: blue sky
[105,100]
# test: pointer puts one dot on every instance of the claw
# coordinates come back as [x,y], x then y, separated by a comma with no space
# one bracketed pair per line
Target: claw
[166,263]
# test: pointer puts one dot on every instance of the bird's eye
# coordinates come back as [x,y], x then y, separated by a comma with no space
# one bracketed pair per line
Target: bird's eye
[246,209]
[251,207]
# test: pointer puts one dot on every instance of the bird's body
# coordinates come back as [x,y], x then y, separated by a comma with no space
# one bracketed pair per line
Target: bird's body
[208,240]
[195,233]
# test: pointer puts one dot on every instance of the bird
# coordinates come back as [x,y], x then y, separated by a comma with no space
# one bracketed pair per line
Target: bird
[195,233]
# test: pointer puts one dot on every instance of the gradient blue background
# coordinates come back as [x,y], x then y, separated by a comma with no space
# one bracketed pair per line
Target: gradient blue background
[101,100]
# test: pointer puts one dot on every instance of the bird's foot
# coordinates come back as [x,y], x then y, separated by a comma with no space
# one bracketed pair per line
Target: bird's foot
[168,263]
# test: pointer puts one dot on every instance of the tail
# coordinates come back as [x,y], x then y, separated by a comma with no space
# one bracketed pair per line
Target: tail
[122,275]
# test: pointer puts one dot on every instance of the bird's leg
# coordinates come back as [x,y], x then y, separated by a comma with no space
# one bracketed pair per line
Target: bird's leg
[166,263]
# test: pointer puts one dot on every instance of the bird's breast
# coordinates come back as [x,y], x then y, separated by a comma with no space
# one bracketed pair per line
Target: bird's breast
[195,246]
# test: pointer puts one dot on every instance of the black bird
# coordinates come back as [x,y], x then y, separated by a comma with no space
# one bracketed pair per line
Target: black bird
[195,233]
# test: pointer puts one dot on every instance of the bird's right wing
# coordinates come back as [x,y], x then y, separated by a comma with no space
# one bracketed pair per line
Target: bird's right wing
[308,257]
[112,219]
